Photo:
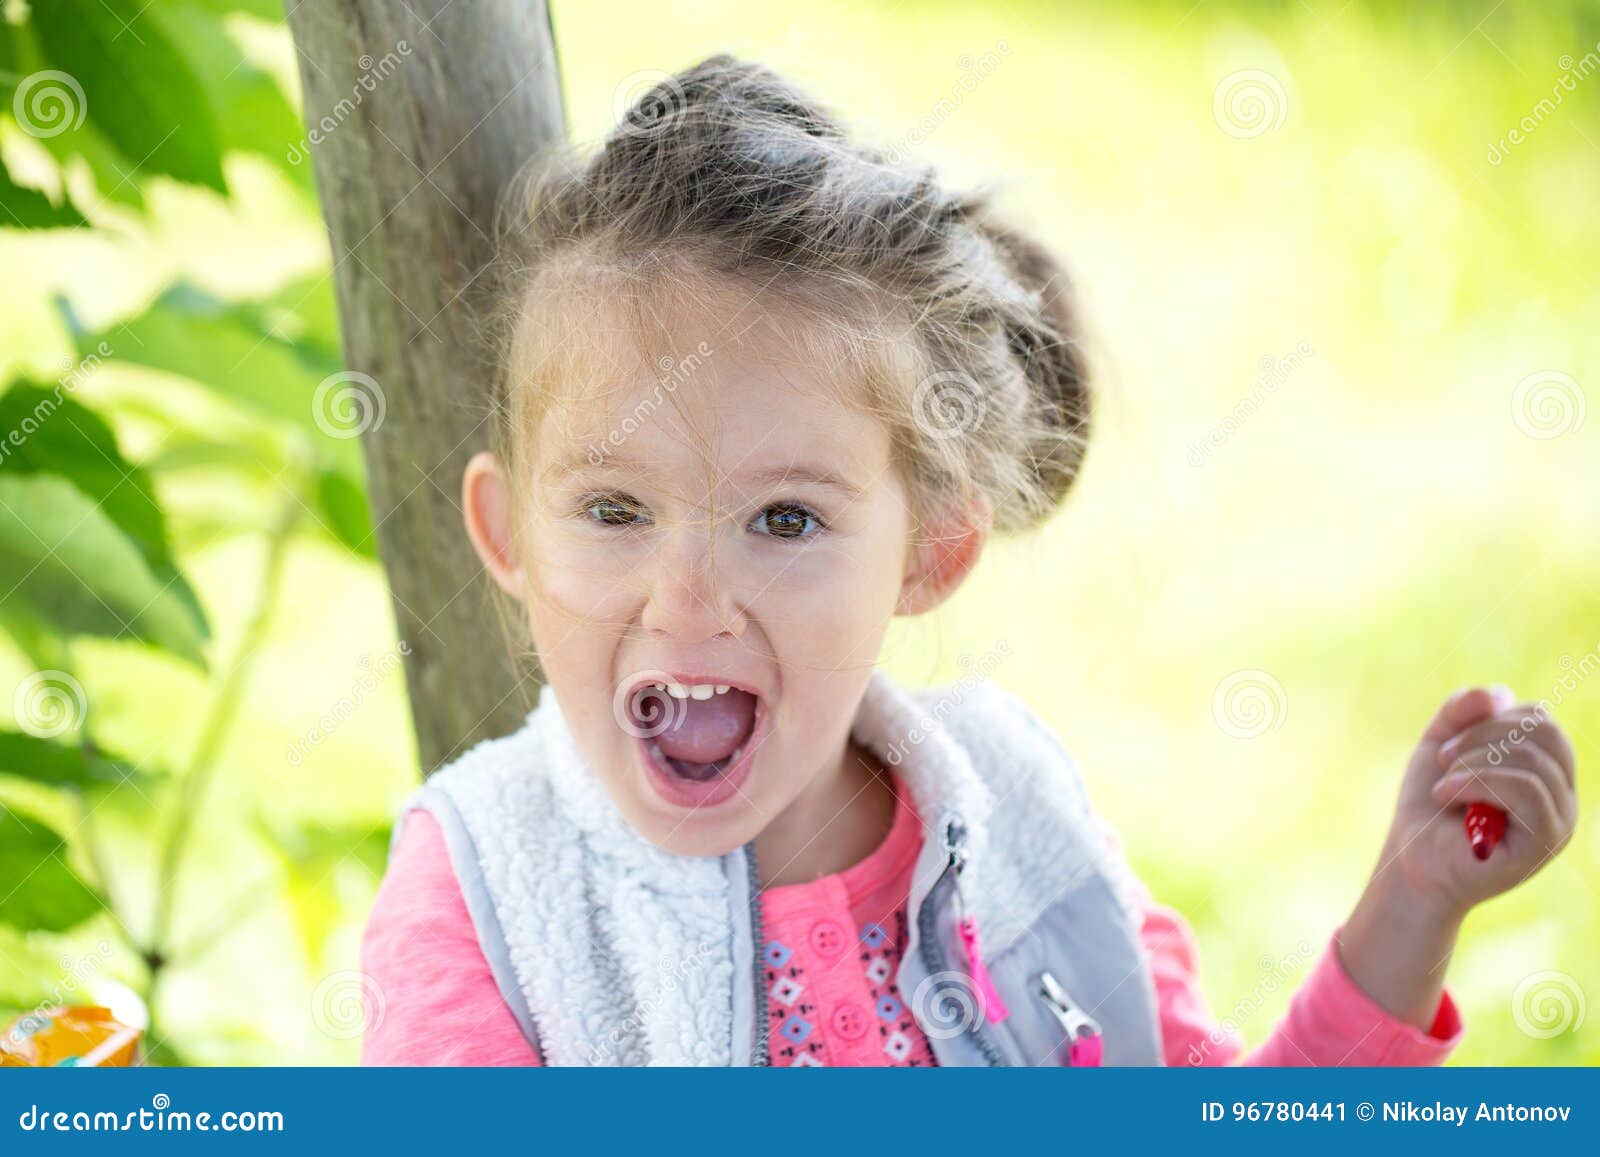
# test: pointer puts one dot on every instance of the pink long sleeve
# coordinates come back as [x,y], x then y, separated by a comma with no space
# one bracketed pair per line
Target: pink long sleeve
[1331,1022]
[434,999]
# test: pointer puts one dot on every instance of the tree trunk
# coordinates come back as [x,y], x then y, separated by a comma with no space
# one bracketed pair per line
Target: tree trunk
[418,114]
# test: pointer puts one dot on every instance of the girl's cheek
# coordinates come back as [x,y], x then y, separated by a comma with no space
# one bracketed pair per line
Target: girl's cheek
[589,583]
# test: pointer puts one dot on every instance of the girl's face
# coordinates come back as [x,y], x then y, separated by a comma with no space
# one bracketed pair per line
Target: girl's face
[724,528]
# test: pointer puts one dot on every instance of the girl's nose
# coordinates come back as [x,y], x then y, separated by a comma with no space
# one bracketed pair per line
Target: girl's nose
[688,597]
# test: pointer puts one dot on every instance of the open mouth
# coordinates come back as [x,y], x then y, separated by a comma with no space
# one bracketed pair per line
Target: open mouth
[697,736]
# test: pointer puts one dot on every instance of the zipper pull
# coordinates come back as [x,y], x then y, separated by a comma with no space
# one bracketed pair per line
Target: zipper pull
[994,1006]
[1087,1046]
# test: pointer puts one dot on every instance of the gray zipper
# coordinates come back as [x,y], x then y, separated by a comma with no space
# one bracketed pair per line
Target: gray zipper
[758,1052]
[935,957]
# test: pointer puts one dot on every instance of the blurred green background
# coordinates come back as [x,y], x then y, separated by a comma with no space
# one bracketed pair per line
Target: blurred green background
[1346,327]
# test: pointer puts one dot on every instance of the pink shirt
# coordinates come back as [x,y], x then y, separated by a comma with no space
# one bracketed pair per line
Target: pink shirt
[831,950]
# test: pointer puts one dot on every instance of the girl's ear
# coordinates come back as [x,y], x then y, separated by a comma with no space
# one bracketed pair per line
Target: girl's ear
[942,557]
[486,505]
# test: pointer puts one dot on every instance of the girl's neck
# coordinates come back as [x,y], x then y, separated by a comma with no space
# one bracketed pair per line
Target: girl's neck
[840,821]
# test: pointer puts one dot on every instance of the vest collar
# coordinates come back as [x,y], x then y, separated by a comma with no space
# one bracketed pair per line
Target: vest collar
[903,731]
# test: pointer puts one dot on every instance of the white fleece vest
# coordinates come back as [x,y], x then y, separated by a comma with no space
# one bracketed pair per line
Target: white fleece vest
[611,951]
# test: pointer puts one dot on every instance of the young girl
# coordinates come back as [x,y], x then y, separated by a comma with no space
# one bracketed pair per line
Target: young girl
[764,389]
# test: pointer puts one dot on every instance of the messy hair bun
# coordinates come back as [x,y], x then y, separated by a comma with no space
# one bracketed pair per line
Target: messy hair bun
[733,169]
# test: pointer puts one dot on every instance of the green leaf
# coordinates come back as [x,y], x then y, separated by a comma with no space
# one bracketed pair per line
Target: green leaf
[253,115]
[60,765]
[59,436]
[38,891]
[269,10]
[65,560]
[309,855]
[139,90]
[243,353]
[25,208]
[343,511]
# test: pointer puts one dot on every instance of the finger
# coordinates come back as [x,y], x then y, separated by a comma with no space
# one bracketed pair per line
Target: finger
[1463,707]
[1523,724]
[1528,757]
[1521,794]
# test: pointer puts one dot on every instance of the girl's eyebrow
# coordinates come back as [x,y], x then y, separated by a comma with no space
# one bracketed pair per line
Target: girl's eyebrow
[802,473]
[771,475]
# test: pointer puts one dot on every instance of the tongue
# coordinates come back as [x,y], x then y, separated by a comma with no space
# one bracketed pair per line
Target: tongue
[709,730]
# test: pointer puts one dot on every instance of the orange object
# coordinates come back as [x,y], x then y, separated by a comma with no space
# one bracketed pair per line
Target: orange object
[1485,825]
[85,1036]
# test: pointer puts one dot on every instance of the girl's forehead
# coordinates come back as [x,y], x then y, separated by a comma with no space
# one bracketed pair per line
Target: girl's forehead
[719,412]
[726,375]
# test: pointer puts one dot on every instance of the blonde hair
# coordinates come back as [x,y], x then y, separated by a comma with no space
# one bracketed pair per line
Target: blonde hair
[959,331]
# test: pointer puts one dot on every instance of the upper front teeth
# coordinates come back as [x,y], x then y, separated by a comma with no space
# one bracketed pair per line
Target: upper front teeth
[693,690]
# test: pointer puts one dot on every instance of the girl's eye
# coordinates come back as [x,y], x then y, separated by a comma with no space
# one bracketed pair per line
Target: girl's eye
[613,511]
[786,520]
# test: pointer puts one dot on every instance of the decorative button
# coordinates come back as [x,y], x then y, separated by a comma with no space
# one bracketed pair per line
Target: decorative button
[827,937]
[849,1021]
[889,1007]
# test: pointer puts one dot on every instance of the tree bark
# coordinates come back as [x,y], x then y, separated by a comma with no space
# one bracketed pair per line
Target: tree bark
[418,114]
